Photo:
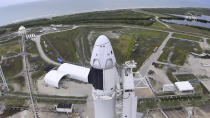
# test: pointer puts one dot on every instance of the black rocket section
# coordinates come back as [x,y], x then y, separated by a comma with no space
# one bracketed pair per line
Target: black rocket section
[95,77]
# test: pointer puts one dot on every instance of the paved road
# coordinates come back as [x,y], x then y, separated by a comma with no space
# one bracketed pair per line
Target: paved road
[42,54]
[154,57]
[157,19]
[37,40]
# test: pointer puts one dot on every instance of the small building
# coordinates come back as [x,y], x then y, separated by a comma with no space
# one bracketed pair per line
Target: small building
[30,36]
[184,87]
[64,107]
[21,30]
[169,88]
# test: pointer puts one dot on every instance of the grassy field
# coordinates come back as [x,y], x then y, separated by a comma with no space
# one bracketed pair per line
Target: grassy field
[147,41]
[187,37]
[153,13]
[64,43]
[176,51]
[187,100]
[10,49]
[31,48]
[75,40]
[11,101]
[158,25]
[170,75]
[200,89]
[185,77]
[144,104]
[12,66]
[190,30]
[74,45]
[50,101]
[19,80]
[208,41]
[112,16]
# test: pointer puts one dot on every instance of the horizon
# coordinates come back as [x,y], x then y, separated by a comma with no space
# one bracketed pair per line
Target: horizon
[20,10]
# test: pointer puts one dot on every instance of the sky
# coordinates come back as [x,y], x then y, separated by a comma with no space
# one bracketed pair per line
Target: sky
[12,11]
[204,3]
[5,3]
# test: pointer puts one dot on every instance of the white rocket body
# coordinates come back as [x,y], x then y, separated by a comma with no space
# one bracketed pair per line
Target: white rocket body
[103,59]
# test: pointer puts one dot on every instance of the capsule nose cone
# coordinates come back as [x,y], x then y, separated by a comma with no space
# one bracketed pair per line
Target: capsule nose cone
[101,40]
[102,55]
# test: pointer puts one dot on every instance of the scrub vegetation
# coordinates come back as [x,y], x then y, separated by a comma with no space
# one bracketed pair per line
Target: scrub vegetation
[11,101]
[38,64]
[12,67]
[177,51]
[147,41]
[134,44]
[208,41]
[112,16]
[190,29]
[10,49]
[187,37]
[186,77]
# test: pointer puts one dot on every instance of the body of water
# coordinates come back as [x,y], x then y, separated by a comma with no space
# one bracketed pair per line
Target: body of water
[202,17]
[46,8]
[187,22]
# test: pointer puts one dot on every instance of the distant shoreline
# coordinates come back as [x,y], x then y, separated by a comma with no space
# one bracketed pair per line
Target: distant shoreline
[67,14]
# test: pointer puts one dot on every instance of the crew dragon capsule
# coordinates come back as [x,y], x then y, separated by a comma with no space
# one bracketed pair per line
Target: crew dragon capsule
[104,77]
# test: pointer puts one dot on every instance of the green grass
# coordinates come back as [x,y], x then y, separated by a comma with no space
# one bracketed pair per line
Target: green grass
[187,37]
[147,40]
[12,66]
[13,101]
[144,104]
[50,101]
[123,47]
[185,77]
[19,80]
[40,63]
[200,89]
[10,49]
[153,13]
[75,39]
[31,48]
[208,41]
[158,25]
[64,43]
[188,100]
[112,16]
[189,29]
[170,75]
[8,113]
[180,50]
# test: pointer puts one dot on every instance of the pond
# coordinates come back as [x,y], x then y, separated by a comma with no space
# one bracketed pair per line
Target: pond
[190,22]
